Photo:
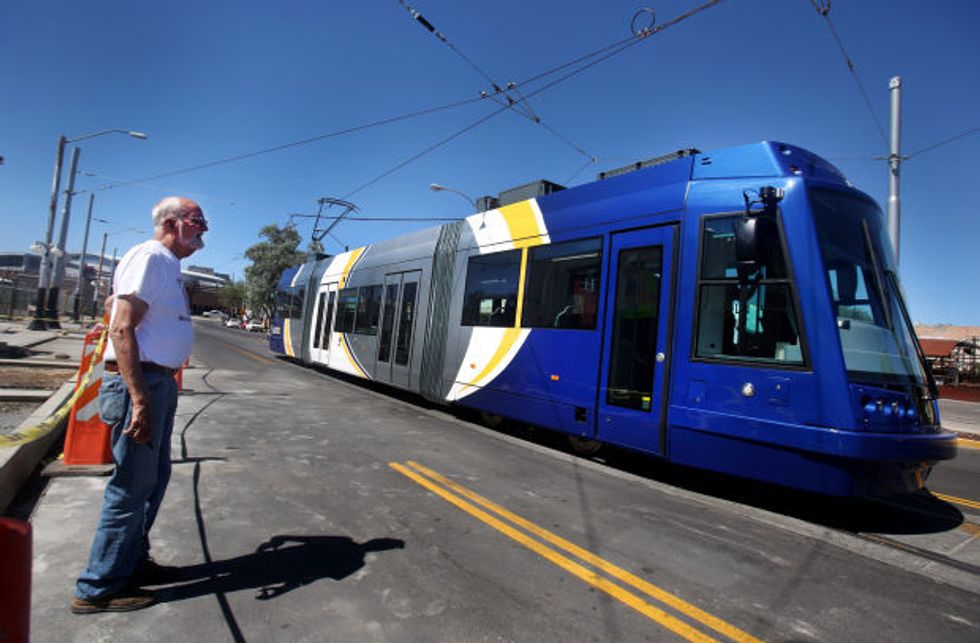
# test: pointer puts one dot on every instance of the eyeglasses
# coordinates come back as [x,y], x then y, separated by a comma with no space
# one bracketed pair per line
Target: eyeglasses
[197,221]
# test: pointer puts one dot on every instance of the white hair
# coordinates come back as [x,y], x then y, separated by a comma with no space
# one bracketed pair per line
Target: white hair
[168,208]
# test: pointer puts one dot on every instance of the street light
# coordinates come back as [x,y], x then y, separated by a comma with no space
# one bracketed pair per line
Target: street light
[435,187]
[44,281]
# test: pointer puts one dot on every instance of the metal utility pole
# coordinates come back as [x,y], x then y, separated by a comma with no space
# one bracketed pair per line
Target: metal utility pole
[894,161]
[58,271]
[79,291]
[44,276]
[38,322]
[98,278]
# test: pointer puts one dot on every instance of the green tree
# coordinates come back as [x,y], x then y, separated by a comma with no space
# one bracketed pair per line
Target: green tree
[269,258]
[233,295]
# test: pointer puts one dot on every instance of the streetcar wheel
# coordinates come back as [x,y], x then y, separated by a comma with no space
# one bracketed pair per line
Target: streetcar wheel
[583,446]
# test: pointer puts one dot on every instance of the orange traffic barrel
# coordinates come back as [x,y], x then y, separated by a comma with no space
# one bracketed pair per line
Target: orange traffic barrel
[15,580]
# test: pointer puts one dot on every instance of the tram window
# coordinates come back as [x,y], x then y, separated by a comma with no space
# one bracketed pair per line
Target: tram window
[406,321]
[635,320]
[491,289]
[368,310]
[741,319]
[849,290]
[326,322]
[562,285]
[297,308]
[388,322]
[282,305]
[346,310]
[319,319]
[718,259]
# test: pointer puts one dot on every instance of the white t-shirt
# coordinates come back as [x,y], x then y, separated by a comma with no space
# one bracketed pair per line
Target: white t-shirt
[151,273]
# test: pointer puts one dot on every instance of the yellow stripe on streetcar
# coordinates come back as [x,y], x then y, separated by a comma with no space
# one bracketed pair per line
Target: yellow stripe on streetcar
[510,336]
[592,578]
[522,224]
[287,339]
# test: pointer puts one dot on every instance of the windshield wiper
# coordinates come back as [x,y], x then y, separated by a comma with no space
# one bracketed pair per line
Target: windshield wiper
[879,281]
[923,364]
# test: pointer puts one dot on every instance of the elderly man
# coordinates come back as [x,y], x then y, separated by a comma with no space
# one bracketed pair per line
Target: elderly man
[151,337]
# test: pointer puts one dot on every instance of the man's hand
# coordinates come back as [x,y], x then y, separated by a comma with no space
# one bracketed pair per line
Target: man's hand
[141,425]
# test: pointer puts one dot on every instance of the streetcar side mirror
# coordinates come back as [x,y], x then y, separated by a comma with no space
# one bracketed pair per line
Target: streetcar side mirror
[755,239]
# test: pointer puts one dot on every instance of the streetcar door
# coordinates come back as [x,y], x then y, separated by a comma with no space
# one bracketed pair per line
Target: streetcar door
[325,304]
[398,314]
[636,342]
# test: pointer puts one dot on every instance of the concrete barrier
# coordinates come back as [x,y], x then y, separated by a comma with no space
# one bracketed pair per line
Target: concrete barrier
[17,463]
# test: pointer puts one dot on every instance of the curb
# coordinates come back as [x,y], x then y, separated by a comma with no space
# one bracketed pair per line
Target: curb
[17,463]
[24,394]
[30,362]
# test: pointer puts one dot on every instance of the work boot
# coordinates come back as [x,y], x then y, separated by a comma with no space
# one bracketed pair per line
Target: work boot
[125,601]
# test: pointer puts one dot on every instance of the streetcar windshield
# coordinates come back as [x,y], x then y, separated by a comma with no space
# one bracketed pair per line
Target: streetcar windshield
[875,332]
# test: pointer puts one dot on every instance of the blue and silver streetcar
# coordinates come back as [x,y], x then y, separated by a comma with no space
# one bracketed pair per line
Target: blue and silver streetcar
[738,311]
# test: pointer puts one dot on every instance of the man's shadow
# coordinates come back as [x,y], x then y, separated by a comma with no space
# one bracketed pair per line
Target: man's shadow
[277,566]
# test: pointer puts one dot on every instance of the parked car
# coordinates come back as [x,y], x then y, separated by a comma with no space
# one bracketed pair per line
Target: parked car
[217,314]
[233,322]
[254,325]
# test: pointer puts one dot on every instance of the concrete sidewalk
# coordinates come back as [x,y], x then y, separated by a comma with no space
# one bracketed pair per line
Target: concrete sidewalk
[298,531]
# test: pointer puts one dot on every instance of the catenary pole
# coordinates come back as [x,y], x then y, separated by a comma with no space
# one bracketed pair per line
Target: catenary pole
[98,279]
[58,269]
[38,322]
[894,161]
[79,291]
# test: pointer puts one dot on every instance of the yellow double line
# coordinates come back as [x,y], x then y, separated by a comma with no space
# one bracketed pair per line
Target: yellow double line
[973,504]
[968,443]
[470,502]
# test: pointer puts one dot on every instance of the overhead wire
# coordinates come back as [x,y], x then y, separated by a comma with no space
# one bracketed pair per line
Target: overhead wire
[305,141]
[155,186]
[428,150]
[607,52]
[822,7]
[299,215]
[521,105]
[596,56]
[929,148]
[645,33]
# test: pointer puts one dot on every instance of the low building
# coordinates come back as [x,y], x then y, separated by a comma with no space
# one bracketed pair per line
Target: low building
[19,272]
[953,352]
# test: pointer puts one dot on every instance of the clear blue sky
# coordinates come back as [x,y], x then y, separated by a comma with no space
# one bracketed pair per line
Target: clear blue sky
[216,79]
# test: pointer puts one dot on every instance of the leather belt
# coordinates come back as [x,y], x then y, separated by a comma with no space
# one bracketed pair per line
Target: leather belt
[146,367]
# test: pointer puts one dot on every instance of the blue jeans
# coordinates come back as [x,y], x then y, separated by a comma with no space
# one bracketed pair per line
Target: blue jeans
[136,488]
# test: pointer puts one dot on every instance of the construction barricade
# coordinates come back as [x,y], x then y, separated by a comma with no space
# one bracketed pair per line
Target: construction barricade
[87,441]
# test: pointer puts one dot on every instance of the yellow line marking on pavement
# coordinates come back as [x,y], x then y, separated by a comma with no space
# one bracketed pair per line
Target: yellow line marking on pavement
[251,354]
[661,595]
[973,504]
[589,576]
[970,528]
[967,443]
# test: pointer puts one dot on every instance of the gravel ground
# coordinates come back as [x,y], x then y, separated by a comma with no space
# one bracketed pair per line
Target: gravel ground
[13,413]
[34,377]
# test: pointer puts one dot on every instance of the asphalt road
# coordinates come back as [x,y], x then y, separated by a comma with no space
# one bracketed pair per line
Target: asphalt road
[304,507]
